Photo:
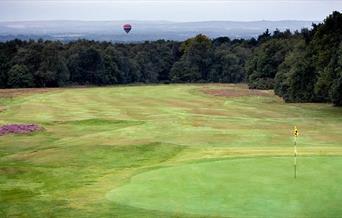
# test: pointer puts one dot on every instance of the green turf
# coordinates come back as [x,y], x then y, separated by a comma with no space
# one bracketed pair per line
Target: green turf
[261,187]
[97,139]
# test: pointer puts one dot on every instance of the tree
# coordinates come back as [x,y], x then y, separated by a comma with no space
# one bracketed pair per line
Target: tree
[197,56]
[183,71]
[53,70]
[111,66]
[30,56]
[3,70]
[20,77]
[265,36]
[296,77]
[228,65]
[221,40]
[325,44]
[7,51]
[336,88]
[263,65]
[87,67]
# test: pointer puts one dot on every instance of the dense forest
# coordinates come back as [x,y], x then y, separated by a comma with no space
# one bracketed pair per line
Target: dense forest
[303,66]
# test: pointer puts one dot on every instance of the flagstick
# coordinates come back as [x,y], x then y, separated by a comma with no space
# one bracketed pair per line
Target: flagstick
[295,157]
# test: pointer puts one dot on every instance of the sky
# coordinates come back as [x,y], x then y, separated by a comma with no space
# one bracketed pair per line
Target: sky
[171,10]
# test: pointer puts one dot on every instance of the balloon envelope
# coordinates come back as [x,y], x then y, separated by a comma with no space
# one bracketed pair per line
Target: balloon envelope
[127,27]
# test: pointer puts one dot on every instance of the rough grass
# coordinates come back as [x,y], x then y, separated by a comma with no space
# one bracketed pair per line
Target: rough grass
[97,139]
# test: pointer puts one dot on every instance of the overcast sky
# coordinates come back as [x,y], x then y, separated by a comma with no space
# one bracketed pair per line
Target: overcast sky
[177,10]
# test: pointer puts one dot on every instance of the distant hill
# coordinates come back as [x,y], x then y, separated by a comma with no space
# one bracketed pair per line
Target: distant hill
[142,30]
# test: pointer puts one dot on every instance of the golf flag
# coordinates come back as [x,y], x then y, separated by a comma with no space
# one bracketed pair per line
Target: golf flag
[295,132]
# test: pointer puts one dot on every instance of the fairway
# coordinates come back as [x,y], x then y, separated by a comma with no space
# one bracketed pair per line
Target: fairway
[168,151]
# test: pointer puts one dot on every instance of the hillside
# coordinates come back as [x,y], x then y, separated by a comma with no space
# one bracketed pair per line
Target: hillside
[142,30]
[168,151]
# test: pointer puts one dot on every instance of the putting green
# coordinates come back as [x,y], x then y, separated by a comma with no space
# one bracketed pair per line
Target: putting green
[240,187]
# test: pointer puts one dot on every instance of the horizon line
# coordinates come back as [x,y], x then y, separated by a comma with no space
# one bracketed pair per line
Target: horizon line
[147,20]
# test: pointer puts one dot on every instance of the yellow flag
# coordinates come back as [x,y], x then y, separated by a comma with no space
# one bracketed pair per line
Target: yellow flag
[295,132]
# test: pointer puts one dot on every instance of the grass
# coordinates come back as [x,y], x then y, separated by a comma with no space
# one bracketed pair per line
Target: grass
[259,187]
[102,141]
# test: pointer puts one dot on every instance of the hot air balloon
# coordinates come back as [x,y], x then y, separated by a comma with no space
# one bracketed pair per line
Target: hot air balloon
[127,27]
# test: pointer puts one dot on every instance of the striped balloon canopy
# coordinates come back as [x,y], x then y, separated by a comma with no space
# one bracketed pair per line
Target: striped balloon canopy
[127,27]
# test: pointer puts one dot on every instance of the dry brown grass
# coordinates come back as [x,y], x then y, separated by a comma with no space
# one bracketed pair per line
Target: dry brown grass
[10,93]
[214,153]
[229,91]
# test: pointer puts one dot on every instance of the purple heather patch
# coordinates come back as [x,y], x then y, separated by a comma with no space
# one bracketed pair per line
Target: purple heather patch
[19,129]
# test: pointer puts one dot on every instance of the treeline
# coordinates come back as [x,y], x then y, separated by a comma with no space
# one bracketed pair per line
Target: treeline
[54,64]
[304,66]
